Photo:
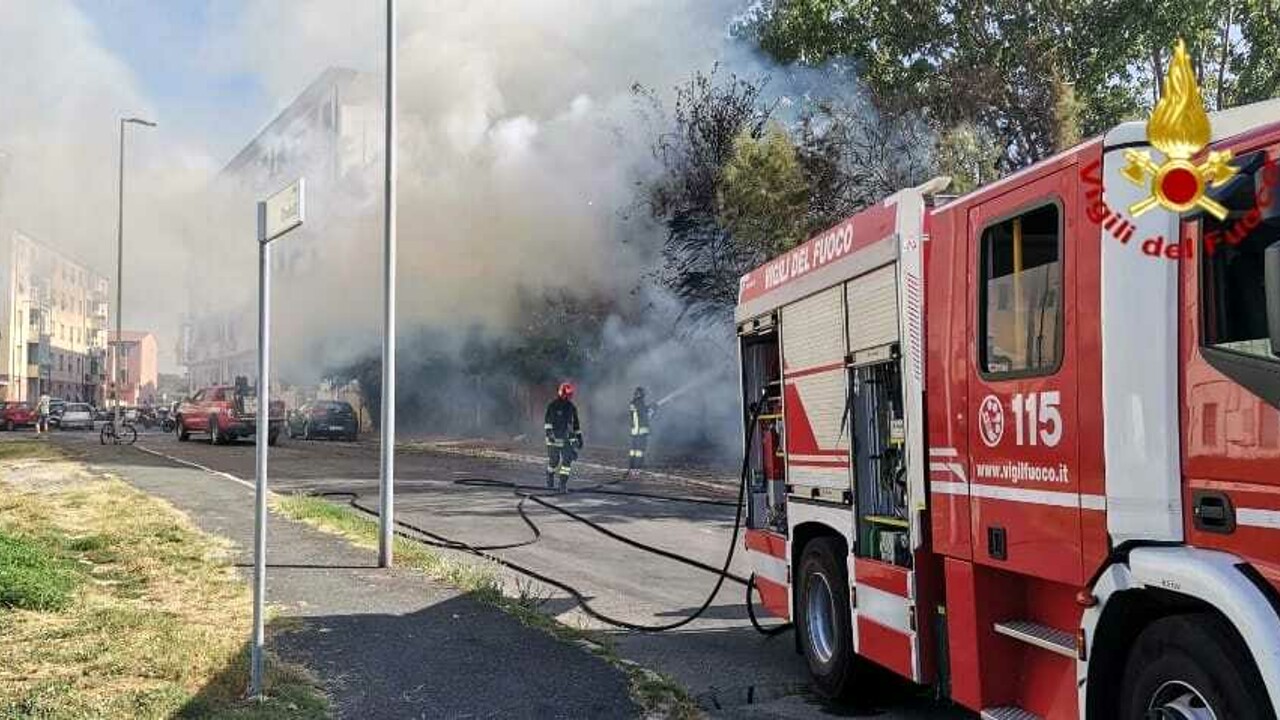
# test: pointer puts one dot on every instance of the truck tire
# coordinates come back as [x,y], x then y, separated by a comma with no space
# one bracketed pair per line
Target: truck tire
[180,429]
[8,425]
[1190,666]
[823,617]
[215,435]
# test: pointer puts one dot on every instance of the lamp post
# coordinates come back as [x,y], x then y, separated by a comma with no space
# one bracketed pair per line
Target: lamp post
[115,355]
[386,468]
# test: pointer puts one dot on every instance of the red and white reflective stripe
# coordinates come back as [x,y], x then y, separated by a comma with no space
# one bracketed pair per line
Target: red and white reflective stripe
[768,567]
[943,460]
[890,610]
[1258,518]
[1023,495]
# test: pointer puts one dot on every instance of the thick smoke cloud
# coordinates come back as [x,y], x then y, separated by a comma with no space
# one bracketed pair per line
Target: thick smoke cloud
[64,94]
[521,150]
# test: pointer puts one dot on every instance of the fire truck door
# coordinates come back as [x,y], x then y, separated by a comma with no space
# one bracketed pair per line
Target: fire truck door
[1023,451]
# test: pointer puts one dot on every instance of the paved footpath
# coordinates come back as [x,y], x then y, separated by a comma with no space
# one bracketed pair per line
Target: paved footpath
[386,644]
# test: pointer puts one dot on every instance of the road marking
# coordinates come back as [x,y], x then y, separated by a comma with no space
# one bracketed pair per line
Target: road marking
[198,466]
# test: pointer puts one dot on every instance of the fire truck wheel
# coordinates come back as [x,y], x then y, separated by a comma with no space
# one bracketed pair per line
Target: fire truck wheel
[822,611]
[181,429]
[1193,667]
[215,435]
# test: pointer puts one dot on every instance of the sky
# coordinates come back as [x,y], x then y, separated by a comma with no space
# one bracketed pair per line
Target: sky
[177,51]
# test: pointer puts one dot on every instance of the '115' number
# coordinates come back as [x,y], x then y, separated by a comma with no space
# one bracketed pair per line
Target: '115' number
[1037,419]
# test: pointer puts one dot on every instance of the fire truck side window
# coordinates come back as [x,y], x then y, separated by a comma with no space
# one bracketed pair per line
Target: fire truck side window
[1021,309]
[1233,282]
[1235,307]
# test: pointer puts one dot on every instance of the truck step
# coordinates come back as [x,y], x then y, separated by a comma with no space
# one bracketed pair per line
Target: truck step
[1042,636]
[1008,713]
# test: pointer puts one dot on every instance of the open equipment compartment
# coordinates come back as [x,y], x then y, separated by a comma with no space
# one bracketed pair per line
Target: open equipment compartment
[877,419]
[879,436]
[766,457]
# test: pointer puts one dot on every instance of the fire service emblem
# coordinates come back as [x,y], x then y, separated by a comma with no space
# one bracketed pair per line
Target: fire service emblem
[1179,128]
[991,420]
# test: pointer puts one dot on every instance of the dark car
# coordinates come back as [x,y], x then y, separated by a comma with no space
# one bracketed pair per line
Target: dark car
[56,407]
[16,415]
[323,418]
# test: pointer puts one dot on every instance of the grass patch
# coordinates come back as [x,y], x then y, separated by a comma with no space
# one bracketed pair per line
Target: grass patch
[28,450]
[152,622]
[32,577]
[658,695]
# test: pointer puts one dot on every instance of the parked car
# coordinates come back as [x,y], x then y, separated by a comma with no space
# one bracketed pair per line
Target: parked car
[56,406]
[102,414]
[323,418]
[16,415]
[76,416]
[225,413]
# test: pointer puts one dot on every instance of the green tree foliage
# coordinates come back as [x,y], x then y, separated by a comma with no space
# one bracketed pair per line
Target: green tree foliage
[735,187]
[1032,76]
[762,196]
[701,259]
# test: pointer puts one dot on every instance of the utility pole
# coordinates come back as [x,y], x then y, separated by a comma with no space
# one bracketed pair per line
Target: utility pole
[115,355]
[386,468]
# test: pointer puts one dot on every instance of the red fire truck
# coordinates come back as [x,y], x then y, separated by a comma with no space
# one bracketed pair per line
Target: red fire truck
[1024,444]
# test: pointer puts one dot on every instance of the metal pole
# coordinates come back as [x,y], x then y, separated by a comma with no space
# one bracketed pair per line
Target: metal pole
[264,429]
[115,354]
[386,471]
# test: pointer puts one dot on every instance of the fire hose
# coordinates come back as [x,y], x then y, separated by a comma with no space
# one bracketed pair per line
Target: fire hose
[526,493]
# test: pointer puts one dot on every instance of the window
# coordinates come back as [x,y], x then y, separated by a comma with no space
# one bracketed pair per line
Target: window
[1233,289]
[1021,294]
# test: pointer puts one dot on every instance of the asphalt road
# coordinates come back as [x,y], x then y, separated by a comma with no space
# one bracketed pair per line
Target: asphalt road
[732,670]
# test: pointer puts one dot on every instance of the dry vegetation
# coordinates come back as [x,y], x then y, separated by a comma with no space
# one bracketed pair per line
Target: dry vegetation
[114,605]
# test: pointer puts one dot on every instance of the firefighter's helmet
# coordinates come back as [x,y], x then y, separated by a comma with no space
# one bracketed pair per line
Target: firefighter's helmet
[566,390]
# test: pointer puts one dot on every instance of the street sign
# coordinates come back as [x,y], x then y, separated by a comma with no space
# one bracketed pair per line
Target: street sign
[277,215]
[285,210]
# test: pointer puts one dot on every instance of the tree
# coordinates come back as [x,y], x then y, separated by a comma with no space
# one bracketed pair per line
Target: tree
[854,155]
[701,259]
[1030,76]
[762,196]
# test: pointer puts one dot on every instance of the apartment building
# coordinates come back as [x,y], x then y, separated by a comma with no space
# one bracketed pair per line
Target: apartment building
[53,322]
[138,377]
[332,135]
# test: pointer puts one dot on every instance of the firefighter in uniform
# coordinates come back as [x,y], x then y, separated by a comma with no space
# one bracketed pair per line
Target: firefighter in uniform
[640,414]
[564,436]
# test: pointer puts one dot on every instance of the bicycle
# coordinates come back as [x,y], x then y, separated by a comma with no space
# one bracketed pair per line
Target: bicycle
[127,434]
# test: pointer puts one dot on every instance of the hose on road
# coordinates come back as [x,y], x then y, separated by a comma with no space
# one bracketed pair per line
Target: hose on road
[528,493]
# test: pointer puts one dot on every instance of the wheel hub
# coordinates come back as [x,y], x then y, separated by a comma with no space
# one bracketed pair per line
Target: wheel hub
[821,619]
[1179,700]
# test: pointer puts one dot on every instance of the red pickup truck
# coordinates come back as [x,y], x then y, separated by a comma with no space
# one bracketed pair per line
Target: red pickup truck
[225,413]
[16,415]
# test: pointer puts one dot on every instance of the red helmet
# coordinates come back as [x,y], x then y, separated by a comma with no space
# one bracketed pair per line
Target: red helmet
[566,390]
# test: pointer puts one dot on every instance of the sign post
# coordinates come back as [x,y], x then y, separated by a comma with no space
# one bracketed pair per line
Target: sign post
[277,215]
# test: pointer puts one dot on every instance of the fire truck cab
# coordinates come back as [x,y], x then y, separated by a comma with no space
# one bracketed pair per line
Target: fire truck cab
[1024,444]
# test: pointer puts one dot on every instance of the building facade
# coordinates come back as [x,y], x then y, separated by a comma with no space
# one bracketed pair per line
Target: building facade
[53,321]
[138,373]
[331,134]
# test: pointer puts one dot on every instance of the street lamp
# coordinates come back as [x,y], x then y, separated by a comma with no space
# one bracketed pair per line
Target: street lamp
[387,459]
[115,355]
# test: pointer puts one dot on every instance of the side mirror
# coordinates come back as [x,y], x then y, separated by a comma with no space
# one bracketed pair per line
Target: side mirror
[1271,274]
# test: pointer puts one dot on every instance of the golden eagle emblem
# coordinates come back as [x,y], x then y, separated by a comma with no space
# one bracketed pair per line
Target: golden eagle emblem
[1179,128]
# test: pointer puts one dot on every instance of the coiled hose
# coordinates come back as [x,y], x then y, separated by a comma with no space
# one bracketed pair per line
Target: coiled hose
[527,493]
